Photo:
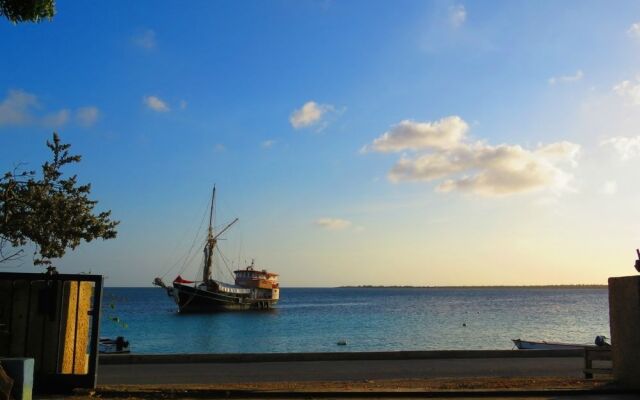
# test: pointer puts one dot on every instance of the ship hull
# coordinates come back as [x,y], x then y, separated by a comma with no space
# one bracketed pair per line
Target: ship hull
[196,300]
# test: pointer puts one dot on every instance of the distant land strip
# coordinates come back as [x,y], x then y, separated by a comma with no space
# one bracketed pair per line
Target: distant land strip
[586,286]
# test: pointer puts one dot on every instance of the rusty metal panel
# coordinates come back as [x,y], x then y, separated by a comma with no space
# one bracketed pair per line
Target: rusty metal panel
[19,318]
[6,292]
[54,319]
[35,325]
[52,328]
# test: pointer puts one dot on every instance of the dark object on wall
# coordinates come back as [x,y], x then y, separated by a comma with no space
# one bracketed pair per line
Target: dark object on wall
[638,260]
[601,341]
[6,383]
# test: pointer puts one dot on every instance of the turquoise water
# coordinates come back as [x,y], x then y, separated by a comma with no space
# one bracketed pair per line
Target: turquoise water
[309,320]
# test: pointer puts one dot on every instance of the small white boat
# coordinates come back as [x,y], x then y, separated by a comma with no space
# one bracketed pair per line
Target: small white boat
[542,345]
[113,346]
[601,341]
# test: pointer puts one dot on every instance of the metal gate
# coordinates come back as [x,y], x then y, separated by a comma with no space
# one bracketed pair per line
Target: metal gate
[55,320]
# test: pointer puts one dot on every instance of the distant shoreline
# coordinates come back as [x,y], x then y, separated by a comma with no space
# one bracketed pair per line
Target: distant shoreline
[591,286]
[594,286]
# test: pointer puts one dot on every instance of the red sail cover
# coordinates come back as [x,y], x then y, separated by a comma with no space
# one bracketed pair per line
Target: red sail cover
[180,280]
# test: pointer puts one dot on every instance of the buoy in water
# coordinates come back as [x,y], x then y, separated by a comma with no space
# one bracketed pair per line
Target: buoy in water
[342,342]
[463,324]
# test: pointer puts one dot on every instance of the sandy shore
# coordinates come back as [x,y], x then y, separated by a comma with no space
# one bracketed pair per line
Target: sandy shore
[521,388]
[434,384]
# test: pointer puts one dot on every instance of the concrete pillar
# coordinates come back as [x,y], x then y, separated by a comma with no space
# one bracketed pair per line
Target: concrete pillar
[624,316]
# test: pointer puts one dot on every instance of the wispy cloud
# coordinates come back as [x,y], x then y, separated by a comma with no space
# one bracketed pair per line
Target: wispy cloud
[567,78]
[412,135]
[333,224]
[155,103]
[22,108]
[457,15]
[629,90]
[16,108]
[183,104]
[219,148]
[145,39]
[87,116]
[310,114]
[626,147]
[474,167]
[267,144]
[56,119]
[634,30]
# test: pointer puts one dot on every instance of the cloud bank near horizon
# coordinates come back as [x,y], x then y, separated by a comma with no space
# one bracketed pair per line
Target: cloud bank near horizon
[475,167]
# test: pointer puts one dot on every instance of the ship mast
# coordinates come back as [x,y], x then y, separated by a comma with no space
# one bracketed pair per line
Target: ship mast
[212,239]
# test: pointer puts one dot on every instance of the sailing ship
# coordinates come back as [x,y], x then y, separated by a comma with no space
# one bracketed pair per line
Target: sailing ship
[253,289]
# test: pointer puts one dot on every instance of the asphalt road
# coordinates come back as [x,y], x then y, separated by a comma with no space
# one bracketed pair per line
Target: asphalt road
[315,371]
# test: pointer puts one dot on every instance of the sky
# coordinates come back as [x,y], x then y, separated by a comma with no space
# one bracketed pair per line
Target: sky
[358,142]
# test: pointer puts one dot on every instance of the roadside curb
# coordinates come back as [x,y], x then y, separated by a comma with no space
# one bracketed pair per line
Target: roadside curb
[256,394]
[109,359]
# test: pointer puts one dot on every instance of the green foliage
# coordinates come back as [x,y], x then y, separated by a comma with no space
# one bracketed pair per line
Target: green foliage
[52,212]
[27,10]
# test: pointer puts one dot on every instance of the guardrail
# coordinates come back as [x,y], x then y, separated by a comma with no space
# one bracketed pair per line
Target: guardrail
[333,356]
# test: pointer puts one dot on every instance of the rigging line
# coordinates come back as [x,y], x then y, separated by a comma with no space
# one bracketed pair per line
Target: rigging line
[200,269]
[217,265]
[183,258]
[190,260]
[188,253]
[225,263]
[179,243]
[240,248]
[195,239]
[228,206]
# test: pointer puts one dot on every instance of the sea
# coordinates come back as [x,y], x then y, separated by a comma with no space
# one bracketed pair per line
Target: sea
[367,319]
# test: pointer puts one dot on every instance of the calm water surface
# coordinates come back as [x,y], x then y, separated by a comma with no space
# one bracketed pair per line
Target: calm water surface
[309,320]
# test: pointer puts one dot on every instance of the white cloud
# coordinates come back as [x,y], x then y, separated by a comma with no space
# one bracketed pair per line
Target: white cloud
[560,152]
[477,167]
[16,108]
[310,114]
[333,224]
[22,108]
[630,91]
[87,116]
[145,39]
[267,144]
[567,78]
[634,30]
[411,135]
[626,147]
[610,188]
[155,103]
[56,119]
[457,15]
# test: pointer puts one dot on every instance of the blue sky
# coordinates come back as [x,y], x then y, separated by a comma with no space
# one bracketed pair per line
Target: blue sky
[280,103]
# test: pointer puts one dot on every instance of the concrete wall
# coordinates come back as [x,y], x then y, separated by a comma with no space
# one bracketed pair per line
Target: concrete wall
[624,314]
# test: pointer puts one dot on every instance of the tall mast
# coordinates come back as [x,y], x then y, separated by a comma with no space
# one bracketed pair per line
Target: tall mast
[211,241]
